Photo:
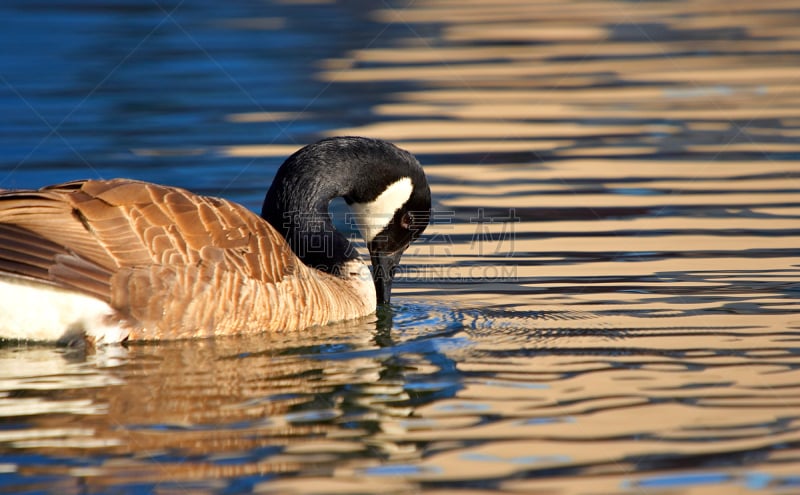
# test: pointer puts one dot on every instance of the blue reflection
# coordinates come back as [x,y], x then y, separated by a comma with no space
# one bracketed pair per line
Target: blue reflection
[400,470]
[683,479]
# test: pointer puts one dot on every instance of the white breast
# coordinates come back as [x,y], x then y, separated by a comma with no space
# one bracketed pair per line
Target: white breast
[359,276]
[30,311]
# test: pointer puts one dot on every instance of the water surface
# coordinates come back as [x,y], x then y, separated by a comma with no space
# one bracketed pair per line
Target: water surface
[606,302]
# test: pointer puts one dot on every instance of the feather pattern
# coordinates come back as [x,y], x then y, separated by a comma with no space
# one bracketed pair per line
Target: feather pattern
[170,263]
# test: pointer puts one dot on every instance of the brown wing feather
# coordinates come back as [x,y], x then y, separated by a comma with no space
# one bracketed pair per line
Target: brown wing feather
[80,234]
[172,263]
[47,216]
[124,223]
[27,254]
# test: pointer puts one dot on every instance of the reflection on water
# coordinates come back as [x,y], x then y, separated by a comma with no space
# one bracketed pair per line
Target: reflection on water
[606,301]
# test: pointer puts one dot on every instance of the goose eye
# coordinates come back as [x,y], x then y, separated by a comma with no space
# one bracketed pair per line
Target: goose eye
[407,220]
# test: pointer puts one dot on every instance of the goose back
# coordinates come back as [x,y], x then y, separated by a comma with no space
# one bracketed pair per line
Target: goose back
[170,263]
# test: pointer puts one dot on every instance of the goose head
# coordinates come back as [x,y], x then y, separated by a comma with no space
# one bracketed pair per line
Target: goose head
[385,188]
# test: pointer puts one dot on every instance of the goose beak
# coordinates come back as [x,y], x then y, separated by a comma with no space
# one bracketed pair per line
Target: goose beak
[383,265]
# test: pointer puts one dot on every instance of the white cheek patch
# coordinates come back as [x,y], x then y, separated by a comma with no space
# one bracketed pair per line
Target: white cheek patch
[374,216]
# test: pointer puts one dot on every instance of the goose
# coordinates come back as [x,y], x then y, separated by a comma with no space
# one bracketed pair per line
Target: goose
[108,261]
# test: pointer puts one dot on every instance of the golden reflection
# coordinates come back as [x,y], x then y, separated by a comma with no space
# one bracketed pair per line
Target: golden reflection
[250,117]
[184,412]
[445,129]
[245,150]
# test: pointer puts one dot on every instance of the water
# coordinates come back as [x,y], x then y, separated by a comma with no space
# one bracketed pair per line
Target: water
[606,302]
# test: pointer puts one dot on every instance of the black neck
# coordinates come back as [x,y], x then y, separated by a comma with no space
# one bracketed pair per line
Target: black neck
[304,221]
[357,169]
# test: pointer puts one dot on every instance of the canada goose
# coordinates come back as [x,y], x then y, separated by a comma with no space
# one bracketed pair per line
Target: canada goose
[115,260]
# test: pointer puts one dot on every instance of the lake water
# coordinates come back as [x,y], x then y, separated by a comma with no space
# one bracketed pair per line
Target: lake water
[606,301]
